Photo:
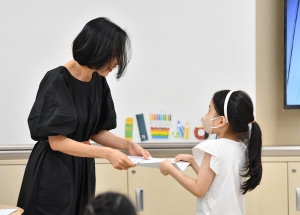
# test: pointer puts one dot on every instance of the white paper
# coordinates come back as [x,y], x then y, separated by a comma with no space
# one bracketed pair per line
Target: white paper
[154,162]
[7,211]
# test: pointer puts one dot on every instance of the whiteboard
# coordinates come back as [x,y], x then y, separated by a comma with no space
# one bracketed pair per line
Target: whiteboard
[182,52]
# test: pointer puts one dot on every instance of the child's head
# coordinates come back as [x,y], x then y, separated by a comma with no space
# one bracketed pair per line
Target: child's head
[236,108]
[110,203]
[229,112]
[231,116]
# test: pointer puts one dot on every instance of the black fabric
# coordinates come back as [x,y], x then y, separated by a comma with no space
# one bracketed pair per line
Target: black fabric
[54,182]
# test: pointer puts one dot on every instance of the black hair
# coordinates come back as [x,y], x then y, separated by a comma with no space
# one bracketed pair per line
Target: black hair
[240,114]
[99,42]
[110,203]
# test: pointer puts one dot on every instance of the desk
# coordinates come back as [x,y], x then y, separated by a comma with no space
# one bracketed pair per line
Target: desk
[18,212]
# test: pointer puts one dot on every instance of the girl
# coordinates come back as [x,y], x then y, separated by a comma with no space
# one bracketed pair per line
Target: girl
[229,166]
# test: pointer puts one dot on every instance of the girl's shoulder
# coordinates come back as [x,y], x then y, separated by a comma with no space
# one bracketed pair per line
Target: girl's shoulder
[210,142]
[217,144]
[210,146]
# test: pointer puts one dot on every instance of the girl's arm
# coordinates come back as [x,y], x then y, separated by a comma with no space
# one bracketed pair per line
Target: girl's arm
[197,187]
[188,158]
[195,166]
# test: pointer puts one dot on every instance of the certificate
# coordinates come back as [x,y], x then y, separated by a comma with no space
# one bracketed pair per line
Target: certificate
[154,162]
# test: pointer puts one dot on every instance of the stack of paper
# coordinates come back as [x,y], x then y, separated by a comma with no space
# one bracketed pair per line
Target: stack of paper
[154,162]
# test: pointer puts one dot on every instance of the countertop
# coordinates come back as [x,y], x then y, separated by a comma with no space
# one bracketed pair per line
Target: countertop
[157,149]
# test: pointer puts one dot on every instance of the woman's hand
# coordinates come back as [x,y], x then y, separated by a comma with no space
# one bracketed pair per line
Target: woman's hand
[165,167]
[184,157]
[119,160]
[136,150]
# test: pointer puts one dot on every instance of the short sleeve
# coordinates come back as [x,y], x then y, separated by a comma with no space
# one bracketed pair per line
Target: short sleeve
[210,147]
[53,112]
[108,117]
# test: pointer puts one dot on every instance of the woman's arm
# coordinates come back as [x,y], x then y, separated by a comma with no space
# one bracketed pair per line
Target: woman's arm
[108,139]
[68,146]
[197,187]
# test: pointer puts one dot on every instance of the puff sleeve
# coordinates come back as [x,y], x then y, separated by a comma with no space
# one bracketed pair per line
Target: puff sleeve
[108,117]
[53,112]
[210,147]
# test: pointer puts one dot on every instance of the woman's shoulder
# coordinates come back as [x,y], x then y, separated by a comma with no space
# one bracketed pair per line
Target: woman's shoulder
[59,71]
[55,74]
[51,78]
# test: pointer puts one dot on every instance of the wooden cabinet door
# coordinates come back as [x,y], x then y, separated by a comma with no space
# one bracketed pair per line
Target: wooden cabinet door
[271,196]
[294,182]
[110,179]
[161,194]
[11,176]
[12,171]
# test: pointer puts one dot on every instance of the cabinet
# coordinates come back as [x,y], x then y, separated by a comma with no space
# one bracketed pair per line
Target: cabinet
[11,176]
[161,194]
[294,182]
[12,172]
[271,196]
[109,179]
[275,195]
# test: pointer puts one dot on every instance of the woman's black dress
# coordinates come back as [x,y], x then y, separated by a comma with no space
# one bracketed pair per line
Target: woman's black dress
[54,182]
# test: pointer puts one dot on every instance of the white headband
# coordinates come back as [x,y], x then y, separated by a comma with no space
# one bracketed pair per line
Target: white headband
[226,104]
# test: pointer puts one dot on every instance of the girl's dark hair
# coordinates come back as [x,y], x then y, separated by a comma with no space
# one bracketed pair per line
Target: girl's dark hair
[240,114]
[99,42]
[110,203]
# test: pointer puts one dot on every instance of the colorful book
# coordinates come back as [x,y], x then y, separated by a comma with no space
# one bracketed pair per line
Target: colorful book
[160,125]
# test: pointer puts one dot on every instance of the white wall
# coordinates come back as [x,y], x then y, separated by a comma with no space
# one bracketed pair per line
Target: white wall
[182,52]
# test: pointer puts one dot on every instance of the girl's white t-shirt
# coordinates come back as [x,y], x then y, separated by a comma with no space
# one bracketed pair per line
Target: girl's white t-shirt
[224,196]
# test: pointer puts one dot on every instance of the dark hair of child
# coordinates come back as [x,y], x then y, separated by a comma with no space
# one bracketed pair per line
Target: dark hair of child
[110,203]
[240,116]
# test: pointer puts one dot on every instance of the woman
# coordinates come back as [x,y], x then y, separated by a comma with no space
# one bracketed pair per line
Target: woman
[73,106]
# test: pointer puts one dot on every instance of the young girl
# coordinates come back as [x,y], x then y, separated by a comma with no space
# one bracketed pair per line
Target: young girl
[229,166]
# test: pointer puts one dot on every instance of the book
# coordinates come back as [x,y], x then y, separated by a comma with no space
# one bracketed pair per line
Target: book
[142,127]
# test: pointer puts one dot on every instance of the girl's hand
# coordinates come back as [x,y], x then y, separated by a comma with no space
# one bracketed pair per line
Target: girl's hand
[135,149]
[184,157]
[119,160]
[165,167]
